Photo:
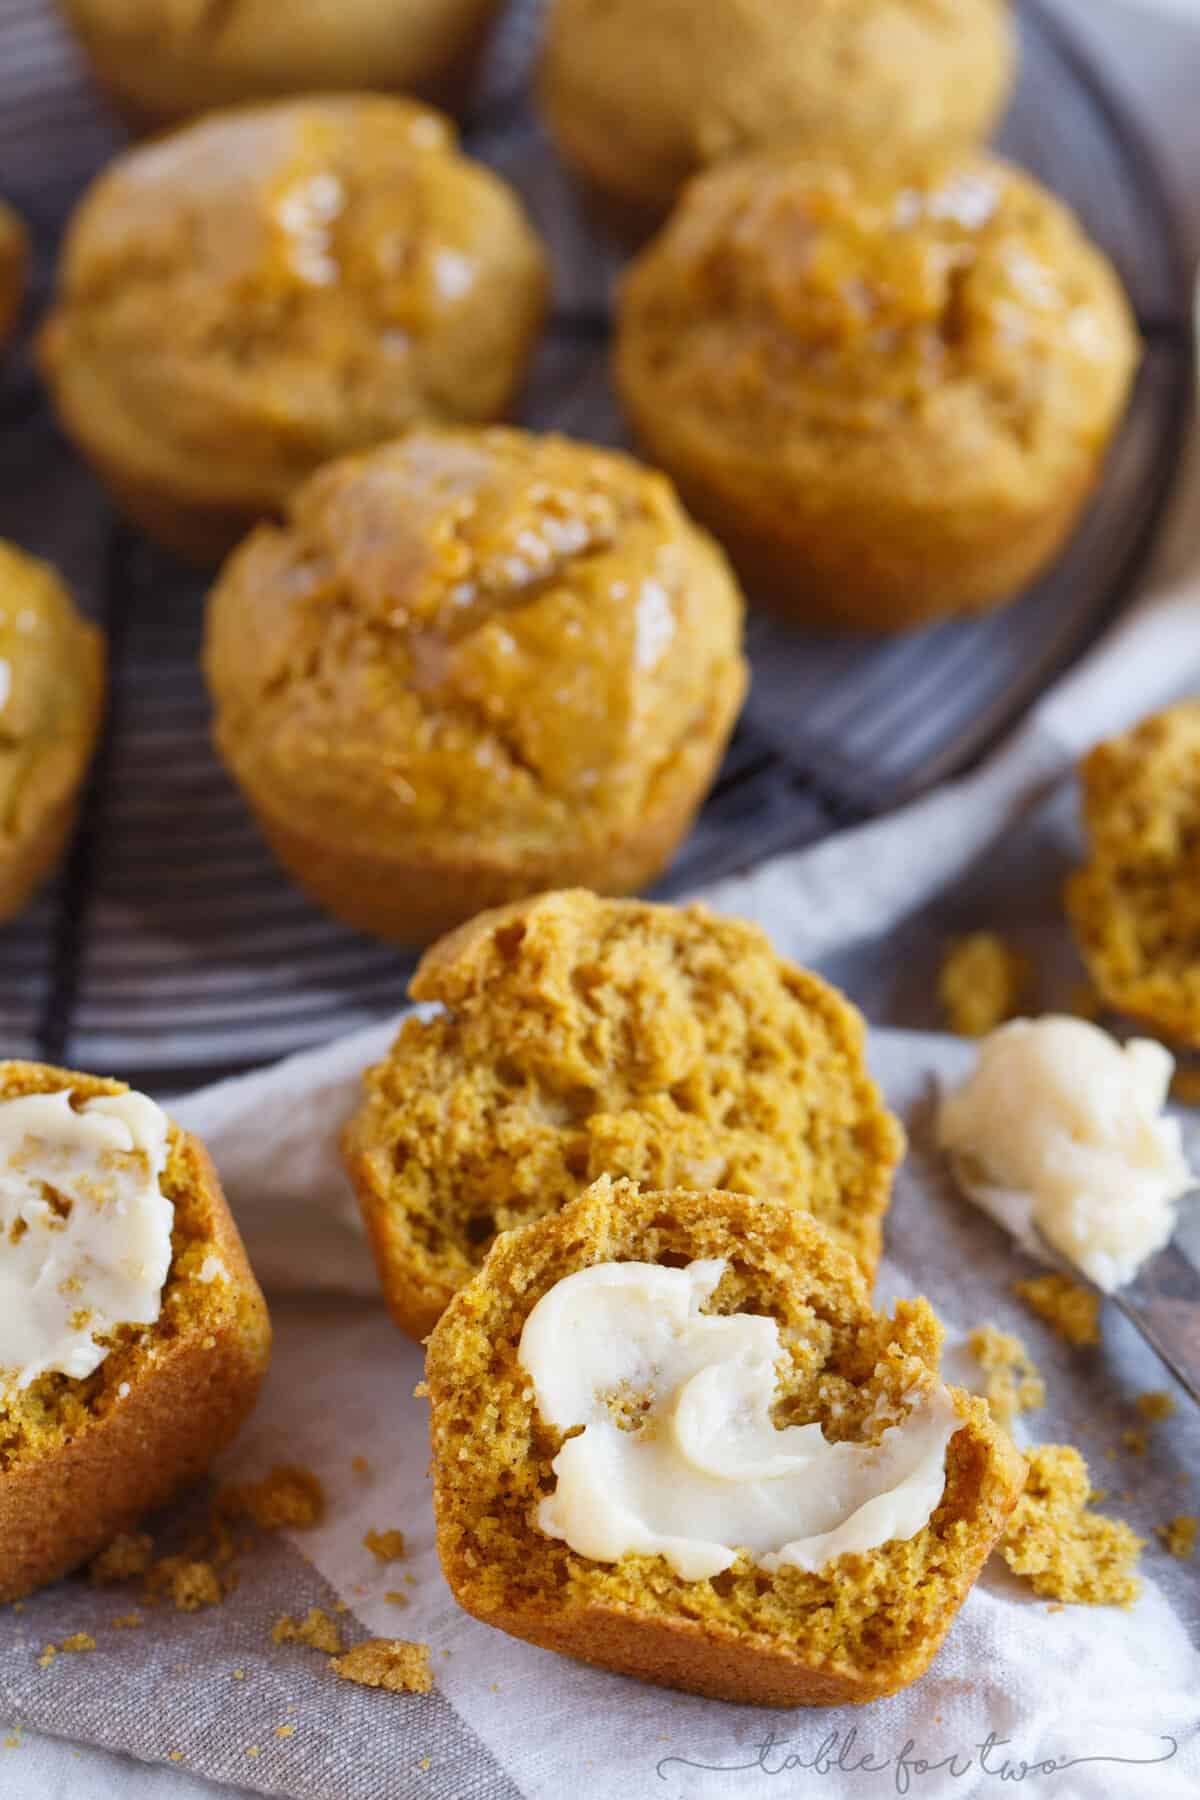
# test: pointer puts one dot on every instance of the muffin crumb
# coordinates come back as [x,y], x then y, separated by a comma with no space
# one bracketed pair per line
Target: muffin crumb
[317,1630]
[388,1546]
[126,1621]
[391,1663]
[1066,1551]
[394,1598]
[289,1498]
[128,1555]
[1014,1384]
[983,983]
[1157,1405]
[1072,1309]
[1135,1441]
[1178,1535]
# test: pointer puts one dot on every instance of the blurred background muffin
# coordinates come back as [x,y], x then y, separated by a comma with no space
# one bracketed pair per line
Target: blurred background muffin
[163,60]
[639,94]
[889,395]
[51,700]
[14,269]
[472,665]
[273,286]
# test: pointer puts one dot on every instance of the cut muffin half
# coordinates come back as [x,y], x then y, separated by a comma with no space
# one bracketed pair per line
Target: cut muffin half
[580,1037]
[82,1456]
[856,1628]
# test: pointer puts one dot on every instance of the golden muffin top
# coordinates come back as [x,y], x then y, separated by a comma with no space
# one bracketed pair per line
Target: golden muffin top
[14,262]
[642,93]
[470,629]
[51,680]
[272,285]
[795,304]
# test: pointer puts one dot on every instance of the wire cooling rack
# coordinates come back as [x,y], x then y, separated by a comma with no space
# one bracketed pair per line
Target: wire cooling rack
[171,948]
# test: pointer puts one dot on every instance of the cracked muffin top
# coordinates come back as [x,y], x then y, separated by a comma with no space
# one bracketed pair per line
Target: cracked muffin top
[472,631]
[860,79]
[1135,906]
[577,1037]
[947,329]
[273,286]
[51,690]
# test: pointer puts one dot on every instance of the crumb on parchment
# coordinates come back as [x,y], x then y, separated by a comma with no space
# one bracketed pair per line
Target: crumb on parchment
[391,1663]
[1178,1536]
[1064,1549]
[290,1497]
[1072,1309]
[1014,1384]
[388,1546]
[983,983]
[1156,1405]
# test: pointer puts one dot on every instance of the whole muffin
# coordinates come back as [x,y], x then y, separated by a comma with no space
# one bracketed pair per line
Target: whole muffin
[1135,906]
[469,666]
[888,396]
[275,286]
[640,94]
[14,269]
[578,1037]
[51,699]
[164,60]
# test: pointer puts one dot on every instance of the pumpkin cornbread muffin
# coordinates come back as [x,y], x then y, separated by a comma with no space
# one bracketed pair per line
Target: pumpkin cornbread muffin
[272,286]
[888,394]
[859,79]
[578,1037]
[14,269]
[163,60]
[1135,906]
[469,666]
[764,1630]
[52,683]
[118,1403]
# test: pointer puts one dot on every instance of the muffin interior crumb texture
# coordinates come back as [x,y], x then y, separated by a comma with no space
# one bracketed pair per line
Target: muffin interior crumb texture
[1014,1384]
[863,1627]
[1135,906]
[579,1037]
[1072,1309]
[392,1663]
[1058,1543]
[984,982]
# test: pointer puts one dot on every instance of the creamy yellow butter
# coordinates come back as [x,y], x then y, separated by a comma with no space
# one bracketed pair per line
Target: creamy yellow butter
[1062,1127]
[678,1455]
[85,1229]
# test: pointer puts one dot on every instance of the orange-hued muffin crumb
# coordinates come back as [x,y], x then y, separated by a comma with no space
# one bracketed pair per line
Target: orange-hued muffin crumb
[52,682]
[14,269]
[163,60]
[866,1624]
[983,982]
[1064,1549]
[642,93]
[888,393]
[392,1663]
[82,1459]
[1072,1309]
[577,1037]
[1135,906]
[472,665]
[274,286]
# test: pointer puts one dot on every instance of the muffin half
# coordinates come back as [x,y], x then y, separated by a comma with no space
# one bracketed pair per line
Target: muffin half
[773,1565]
[578,1037]
[861,80]
[133,1337]
[52,681]
[163,60]
[471,666]
[1135,906]
[889,394]
[273,286]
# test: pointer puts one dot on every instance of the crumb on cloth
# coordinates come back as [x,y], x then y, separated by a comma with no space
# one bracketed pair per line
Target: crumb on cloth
[983,982]
[317,1630]
[1070,1308]
[1156,1405]
[391,1663]
[1064,1549]
[189,1582]
[1178,1535]
[1014,1384]
[130,1554]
